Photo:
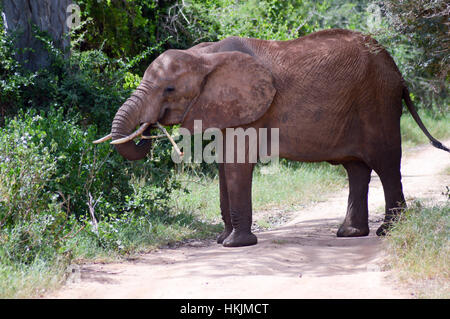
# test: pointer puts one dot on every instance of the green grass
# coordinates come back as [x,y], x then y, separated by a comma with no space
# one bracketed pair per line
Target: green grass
[420,249]
[25,281]
[288,187]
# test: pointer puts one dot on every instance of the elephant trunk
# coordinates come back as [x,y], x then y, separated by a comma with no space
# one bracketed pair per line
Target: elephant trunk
[125,121]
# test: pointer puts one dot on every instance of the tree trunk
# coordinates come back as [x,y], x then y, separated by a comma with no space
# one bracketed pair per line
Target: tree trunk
[47,15]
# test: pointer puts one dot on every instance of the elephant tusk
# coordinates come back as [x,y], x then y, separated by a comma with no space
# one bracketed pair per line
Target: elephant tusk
[103,139]
[175,146]
[132,136]
[139,132]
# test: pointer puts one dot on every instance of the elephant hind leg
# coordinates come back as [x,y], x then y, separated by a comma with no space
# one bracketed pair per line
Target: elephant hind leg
[356,222]
[389,172]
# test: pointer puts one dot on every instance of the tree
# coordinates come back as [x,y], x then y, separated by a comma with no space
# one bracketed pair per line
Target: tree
[21,17]
[425,24]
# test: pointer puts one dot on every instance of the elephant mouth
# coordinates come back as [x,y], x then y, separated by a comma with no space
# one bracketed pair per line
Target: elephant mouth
[142,128]
[146,134]
[163,114]
[143,131]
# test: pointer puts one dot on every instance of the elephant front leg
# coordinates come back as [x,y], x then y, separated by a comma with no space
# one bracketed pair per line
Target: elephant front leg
[239,183]
[224,206]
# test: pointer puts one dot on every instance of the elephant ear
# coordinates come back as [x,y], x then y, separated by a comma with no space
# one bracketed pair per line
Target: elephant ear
[237,90]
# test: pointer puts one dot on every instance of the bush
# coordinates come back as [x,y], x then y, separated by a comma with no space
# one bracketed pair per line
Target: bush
[124,29]
[78,168]
[52,177]
[30,218]
[269,19]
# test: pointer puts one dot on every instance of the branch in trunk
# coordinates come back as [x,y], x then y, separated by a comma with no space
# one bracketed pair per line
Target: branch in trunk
[175,146]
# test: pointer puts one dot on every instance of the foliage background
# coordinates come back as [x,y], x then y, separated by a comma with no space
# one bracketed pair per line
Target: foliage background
[63,198]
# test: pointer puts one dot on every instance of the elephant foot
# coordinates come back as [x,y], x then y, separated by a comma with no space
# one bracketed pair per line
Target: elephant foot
[239,239]
[389,221]
[349,231]
[223,236]
[384,229]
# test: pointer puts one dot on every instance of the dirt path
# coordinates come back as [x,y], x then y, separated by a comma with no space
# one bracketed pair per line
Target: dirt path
[301,259]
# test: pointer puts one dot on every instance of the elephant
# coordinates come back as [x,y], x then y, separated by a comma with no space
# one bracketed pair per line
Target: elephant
[336,96]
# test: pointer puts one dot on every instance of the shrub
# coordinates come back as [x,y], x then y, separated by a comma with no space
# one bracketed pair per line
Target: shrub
[52,177]
[30,219]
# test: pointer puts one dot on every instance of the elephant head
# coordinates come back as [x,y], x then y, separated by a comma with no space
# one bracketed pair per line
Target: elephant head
[223,89]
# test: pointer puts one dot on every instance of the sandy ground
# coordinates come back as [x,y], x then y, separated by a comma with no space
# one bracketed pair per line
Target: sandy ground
[301,259]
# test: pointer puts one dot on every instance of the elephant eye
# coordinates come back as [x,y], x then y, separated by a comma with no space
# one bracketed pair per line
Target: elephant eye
[169,89]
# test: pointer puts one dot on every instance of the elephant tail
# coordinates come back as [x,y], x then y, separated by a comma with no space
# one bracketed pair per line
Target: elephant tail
[419,122]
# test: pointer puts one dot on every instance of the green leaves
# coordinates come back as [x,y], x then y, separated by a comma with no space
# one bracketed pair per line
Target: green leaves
[52,178]
[122,28]
[420,28]
[268,19]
